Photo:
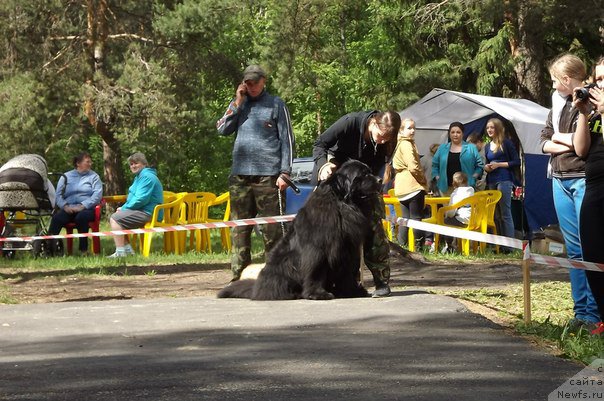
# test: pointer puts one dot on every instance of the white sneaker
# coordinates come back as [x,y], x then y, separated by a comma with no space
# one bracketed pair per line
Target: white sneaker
[117,254]
[128,249]
[445,249]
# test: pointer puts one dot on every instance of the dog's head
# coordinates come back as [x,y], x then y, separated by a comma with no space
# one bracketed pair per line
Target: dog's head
[354,181]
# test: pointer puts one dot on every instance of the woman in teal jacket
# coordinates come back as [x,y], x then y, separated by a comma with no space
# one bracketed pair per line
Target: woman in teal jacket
[144,194]
[456,155]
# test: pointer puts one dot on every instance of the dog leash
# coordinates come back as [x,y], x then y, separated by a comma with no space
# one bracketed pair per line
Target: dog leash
[294,188]
[280,196]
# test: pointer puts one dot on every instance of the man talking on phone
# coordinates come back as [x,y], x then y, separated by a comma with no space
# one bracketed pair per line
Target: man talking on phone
[262,154]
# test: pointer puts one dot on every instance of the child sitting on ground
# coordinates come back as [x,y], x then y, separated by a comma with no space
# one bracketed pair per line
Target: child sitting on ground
[459,217]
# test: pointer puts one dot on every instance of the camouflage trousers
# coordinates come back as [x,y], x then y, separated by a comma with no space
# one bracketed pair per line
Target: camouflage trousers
[252,196]
[376,250]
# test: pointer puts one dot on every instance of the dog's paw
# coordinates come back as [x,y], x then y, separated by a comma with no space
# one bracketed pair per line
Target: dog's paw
[320,296]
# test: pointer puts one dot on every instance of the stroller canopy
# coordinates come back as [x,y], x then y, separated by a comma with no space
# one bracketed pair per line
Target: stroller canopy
[24,183]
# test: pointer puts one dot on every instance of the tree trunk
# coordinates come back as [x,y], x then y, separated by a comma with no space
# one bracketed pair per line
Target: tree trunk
[527,51]
[97,33]
[112,161]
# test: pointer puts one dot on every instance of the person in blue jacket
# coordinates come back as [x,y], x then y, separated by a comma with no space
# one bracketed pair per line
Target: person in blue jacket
[501,156]
[144,194]
[78,192]
[263,154]
[453,156]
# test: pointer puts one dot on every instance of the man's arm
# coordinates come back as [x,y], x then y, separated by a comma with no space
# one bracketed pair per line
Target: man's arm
[286,137]
[228,123]
[288,143]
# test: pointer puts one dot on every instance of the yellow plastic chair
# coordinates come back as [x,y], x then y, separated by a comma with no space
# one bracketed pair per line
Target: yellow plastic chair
[225,233]
[435,203]
[169,196]
[171,212]
[391,200]
[478,216]
[194,210]
[493,197]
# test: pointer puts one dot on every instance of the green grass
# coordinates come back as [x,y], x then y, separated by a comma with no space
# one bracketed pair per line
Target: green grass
[101,265]
[551,310]
[5,297]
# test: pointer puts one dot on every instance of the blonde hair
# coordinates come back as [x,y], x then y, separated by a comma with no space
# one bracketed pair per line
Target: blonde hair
[499,133]
[460,179]
[569,65]
[402,128]
[404,121]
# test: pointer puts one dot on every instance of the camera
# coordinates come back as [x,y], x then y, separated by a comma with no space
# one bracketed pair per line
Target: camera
[583,93]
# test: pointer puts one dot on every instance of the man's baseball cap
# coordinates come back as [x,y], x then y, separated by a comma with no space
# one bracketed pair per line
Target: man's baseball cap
[253,73]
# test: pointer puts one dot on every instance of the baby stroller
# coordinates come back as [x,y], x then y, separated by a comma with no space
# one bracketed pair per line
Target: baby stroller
[26,206]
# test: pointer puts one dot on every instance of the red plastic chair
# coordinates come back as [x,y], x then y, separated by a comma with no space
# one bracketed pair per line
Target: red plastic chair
[94,227]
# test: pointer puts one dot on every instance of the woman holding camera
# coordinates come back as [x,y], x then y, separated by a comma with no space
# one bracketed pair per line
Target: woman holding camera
[589,143]
[568,175]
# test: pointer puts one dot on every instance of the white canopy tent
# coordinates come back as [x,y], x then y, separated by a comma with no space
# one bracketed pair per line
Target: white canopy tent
[434,112]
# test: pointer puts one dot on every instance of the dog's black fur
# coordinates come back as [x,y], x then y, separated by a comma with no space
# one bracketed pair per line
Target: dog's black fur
[320,256]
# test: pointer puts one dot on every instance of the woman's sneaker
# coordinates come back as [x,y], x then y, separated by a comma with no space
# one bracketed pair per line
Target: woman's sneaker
[118,254]
[128,249]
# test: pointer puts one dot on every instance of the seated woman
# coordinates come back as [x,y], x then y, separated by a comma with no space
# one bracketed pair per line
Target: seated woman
[144,194]
[77,194]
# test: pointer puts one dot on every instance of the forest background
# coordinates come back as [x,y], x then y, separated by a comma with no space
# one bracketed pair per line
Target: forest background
[116,76]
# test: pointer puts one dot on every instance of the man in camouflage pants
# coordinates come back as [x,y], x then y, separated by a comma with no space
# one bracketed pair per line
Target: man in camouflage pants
[263,152]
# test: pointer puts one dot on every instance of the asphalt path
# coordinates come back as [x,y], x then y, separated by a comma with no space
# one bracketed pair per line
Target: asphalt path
[410,346]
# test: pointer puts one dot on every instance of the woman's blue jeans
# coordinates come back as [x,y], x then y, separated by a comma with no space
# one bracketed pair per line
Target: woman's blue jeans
[568,197]
[504,208]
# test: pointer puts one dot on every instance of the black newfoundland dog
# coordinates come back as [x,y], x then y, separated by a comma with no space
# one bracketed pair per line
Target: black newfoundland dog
[320,256]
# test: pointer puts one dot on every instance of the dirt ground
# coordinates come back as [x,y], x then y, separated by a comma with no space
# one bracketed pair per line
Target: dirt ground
[192,280]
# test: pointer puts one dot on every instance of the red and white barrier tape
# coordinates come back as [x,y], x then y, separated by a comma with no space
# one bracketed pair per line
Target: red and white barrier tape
[435,228]
[460,233]
[185,227]
[568,263]
[505,241]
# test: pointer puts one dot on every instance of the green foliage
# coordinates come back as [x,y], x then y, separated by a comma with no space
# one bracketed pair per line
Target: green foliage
[492,64]
[21,115]
[171,68]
